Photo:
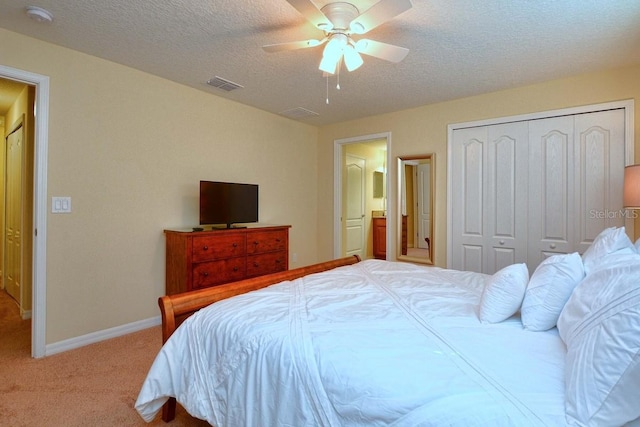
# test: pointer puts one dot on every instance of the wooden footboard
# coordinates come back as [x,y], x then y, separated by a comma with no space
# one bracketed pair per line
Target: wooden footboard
[176,308]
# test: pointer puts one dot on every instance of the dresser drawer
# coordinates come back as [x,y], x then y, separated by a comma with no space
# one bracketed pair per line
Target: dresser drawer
[272,262]
[212,247]
[267,241]
[212,273]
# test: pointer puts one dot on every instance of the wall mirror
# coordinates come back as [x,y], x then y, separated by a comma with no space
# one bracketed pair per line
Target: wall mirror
[415,208]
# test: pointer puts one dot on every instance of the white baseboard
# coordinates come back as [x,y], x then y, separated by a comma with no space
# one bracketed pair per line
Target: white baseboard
[94,337]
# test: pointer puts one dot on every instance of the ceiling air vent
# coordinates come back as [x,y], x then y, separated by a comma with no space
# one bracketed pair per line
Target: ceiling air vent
[223,84]
[298,113]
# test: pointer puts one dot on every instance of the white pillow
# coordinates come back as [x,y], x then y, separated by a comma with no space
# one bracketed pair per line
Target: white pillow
[608,241]
[503,293]
[549,289]
[600,325]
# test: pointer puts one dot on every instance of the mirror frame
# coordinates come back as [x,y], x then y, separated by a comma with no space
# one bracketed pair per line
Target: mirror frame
[400,165]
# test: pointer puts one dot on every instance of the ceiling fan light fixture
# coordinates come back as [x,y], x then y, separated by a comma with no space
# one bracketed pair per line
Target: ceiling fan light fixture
[352,59]
[329,64]
[335,46]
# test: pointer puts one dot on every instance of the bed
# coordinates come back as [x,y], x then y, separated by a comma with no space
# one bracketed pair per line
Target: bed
[372,343]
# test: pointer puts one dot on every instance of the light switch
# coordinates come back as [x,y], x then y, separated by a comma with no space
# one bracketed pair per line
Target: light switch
[60,204]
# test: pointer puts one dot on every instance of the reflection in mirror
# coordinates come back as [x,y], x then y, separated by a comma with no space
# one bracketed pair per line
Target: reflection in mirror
[415,208]
[378,185]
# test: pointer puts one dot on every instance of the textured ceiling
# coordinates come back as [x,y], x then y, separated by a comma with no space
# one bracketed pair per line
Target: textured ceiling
[457,48]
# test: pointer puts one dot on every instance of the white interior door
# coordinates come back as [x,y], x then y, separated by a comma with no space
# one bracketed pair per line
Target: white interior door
[355,207]
[489,211]
[13,214]
[551,184]
[599,174]
[424,204]
[506,193]
[467,200]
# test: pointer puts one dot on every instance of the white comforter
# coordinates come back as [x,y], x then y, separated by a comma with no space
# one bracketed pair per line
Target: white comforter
[376,343]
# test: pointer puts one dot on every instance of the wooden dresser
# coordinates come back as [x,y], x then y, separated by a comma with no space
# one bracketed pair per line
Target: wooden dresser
[200,259]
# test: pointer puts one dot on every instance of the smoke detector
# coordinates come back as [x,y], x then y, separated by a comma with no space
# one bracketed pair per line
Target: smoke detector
[39,14]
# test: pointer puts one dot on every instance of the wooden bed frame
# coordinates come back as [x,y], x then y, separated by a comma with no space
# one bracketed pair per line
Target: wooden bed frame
[176,308]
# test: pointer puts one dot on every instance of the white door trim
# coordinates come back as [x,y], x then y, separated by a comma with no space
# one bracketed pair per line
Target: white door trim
[627,105]
[337,189]
[39,233]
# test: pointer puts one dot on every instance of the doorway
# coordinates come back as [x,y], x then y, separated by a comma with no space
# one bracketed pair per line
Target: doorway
[369,156]
[36,232]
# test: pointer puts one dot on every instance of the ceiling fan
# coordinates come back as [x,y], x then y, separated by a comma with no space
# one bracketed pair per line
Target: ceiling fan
[341,21]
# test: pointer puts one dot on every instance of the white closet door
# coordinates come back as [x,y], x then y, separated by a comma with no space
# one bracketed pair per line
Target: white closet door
[600,160]
[467,204]
[489,209]
[551,184]
[506,195]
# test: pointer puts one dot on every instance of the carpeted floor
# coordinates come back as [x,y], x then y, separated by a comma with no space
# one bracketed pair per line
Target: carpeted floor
[96,385]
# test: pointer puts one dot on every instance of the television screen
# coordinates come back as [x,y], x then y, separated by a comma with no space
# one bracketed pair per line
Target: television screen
[228,203]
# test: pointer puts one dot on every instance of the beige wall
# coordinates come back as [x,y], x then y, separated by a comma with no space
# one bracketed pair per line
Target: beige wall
[129,149]
[424,130]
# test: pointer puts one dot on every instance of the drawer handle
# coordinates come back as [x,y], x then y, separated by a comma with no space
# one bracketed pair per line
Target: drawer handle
[277,261]
[255,264]
[501,242]
[205,248]
[552,246]
[235,245]
[235,269]
[205,274]
[256,243]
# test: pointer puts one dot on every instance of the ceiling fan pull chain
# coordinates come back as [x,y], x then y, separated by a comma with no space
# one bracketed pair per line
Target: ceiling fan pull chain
[327,89]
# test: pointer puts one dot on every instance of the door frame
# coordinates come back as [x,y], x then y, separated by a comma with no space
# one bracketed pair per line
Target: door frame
[627,105]
[338,147]
[39,232]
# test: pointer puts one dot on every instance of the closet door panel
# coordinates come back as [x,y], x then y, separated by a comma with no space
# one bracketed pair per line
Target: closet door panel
[599,151]
[551,183]
[468,200]
[506,195]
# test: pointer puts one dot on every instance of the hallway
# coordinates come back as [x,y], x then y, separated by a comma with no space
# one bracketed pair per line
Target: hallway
[15,333]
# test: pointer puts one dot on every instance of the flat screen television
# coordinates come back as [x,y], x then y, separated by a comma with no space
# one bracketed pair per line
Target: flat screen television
[228,203]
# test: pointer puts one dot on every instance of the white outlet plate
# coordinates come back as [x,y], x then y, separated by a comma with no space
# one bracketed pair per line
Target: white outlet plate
[61,205]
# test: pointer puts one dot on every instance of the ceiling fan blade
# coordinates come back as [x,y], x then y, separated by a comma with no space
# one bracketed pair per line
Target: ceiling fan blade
[302,44]
[378,14]
[314,15]
[385,51]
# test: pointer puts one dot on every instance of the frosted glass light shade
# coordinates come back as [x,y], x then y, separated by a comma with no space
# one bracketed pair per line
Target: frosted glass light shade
[329,64]
[632,187]
[352,59]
